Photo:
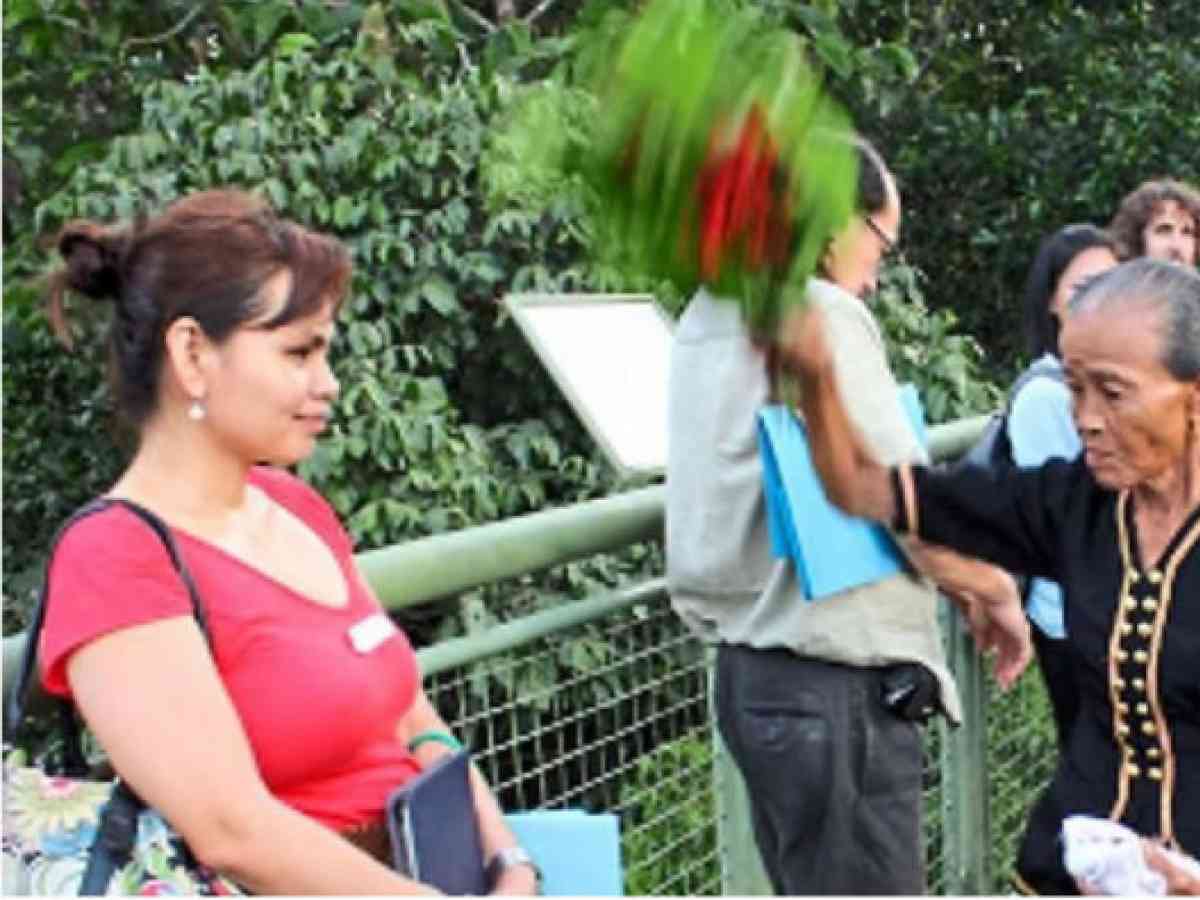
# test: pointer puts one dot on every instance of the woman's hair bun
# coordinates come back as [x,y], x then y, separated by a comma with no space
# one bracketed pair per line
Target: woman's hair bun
[92,254]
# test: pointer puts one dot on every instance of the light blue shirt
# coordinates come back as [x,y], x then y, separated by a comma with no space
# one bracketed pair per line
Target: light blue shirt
[1040,428]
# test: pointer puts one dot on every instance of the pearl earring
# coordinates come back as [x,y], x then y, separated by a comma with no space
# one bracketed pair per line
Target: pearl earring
[196,411]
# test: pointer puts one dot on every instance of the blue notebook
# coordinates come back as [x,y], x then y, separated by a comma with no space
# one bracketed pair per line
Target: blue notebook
[578,852]
[831,551]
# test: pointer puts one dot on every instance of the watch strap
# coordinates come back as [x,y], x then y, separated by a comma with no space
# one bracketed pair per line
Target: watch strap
[508,858]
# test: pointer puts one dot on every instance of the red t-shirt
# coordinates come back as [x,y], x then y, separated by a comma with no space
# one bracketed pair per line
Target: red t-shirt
[320,714]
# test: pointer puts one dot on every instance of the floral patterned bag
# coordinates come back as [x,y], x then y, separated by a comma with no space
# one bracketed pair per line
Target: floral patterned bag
[66,835]
[51,823]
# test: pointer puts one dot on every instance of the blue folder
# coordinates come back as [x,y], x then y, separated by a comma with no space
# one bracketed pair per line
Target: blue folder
[578,852]
[831,551]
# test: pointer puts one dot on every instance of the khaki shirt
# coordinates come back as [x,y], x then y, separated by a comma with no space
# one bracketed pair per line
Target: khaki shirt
[724,581]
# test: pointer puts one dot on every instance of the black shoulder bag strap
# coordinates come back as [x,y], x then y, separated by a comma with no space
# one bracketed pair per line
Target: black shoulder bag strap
[117,828]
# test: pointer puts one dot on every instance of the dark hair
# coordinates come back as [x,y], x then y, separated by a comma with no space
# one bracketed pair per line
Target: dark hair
[872,177]
[1170,289]
[1054,254]
[871,190]
[1139,207]
[206,256]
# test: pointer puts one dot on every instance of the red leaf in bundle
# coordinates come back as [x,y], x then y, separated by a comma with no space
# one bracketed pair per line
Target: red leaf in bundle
[715,218]
[756,242]
[743,164]
[761,202]
[739,202]
[713,189]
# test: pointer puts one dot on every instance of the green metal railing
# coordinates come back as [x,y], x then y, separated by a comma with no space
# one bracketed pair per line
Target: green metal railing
[603,703]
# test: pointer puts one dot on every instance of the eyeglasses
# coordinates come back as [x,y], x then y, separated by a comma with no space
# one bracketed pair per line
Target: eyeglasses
[889,243]
[892,254]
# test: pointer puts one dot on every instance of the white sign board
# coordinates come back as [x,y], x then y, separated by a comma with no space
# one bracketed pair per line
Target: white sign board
[608,354]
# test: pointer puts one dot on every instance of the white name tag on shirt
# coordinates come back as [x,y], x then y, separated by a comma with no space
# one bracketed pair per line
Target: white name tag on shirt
[367,634]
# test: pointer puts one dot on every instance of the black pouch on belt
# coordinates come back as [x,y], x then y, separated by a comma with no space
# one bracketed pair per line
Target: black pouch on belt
[910,691]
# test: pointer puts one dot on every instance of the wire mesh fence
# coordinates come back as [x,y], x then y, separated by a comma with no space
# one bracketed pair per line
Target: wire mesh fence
[612,714]
[935,856]
[1021,756]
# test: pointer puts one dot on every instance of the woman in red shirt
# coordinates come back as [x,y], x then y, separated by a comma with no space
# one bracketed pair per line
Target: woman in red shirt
[273,753]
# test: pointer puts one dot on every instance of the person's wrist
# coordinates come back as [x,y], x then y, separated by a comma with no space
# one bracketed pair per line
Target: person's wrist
[520,880]
[1002,591]
[513,868]
[802,345]
[435,737]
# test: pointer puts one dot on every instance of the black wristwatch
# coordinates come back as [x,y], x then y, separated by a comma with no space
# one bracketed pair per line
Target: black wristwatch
[507,858]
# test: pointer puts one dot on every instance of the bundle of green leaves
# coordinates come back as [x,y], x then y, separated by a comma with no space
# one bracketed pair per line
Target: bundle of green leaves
[716,156]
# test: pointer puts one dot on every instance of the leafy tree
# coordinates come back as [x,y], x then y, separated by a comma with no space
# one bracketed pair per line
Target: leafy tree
[381,135]
[445,418]
[1016,118]
[375,123]
[74,69]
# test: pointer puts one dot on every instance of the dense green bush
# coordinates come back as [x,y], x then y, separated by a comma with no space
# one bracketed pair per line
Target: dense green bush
[1016,118]
[926,348]
[1022,753]
[445,418]
[670,833]
[59,446]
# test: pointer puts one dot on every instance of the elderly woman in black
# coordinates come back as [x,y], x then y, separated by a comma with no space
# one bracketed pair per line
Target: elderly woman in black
[1119,528]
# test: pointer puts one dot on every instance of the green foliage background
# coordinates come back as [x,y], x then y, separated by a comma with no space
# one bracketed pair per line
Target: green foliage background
[440,423]
[379,122]
[373,126]
[1016,117]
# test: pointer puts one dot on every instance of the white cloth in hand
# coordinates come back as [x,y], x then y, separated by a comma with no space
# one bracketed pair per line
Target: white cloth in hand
[1109,858]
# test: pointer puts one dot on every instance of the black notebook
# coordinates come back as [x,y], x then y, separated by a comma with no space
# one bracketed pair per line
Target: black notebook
[434,831]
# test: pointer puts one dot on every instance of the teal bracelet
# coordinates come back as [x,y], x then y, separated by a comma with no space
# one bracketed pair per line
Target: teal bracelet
[437,737]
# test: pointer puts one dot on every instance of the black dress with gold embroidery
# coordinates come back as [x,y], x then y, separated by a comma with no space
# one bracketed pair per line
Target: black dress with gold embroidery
[1133,628]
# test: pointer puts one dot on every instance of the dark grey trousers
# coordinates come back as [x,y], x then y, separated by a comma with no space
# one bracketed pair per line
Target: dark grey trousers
[834,778]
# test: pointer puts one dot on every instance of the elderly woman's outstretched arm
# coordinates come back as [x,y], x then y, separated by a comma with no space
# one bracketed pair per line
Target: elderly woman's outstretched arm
[861,486]
[990,603]
[1012,518]
[853,479]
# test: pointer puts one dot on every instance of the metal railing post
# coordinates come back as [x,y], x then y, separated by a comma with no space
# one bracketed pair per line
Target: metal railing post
[963,750]
[965,825]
